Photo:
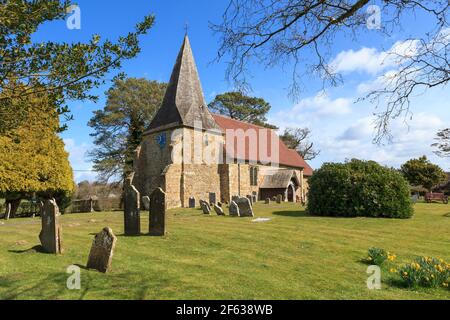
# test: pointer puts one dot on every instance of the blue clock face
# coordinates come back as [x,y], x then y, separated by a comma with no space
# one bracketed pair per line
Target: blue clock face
[161,140]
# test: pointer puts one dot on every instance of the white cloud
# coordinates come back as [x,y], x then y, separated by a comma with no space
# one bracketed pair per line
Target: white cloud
[322,105]
[371,60]
[78,159]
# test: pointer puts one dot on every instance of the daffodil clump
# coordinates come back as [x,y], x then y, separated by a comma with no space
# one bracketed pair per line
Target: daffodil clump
[426,272]
[378,256]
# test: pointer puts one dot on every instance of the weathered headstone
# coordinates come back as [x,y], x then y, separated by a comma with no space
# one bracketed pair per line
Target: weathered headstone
[274,199]
[206,208]
[51,233]
[245,207]
[192,202]
[415,198]
[279,198]
[102,250]
[218,210]
[158,218]
[267,200]
[234,198]
[234,209]
[146,203]
[212,198]
[254,198]
[249,197]
[132,214]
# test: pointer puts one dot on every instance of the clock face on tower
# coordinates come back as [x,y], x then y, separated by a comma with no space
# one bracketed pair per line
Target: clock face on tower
[161,140]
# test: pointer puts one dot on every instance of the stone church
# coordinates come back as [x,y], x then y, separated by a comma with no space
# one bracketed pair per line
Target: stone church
[169,155]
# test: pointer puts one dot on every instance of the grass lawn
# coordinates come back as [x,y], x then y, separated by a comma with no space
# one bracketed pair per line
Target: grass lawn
[293,256]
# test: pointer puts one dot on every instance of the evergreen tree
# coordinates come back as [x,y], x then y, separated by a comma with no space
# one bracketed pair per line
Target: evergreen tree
[118,128]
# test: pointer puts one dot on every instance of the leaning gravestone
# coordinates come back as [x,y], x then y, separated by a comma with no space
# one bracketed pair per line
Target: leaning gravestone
[131,211]
[146,203]
[234,209]
[245,207]
[51,233]
[205,207]
[102,250]
[267,200]
[218,210]
[192,202]
[279,198]
[249,197]
[158,218]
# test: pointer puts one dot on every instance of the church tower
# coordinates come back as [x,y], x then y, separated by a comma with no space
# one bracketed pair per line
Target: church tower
[168,156]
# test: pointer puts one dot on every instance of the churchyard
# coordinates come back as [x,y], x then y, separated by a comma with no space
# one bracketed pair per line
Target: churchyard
[291,256]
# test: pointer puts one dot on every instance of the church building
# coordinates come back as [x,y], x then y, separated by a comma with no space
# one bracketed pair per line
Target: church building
[176,150]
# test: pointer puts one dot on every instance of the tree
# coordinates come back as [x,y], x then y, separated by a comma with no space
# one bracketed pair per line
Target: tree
[303,32]
[443,144]
[298,139]
[33,162]
[421,172]
[63,71]
[241,107]
[118,128]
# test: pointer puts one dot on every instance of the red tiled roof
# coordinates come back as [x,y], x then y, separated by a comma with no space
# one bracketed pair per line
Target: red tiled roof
[287,157]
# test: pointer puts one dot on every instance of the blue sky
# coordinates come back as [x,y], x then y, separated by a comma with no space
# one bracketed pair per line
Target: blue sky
[341,128]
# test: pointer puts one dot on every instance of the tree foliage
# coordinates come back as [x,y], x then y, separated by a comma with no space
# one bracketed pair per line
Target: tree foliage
[359,188]
[62,71]
[33,161]
[302,34]
[421,172]
[241,107]
[298,139]
[443,143]
[131,105]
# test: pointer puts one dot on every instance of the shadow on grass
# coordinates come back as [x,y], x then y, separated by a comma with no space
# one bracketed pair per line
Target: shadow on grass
[447,215]
[37,249]
[291,213]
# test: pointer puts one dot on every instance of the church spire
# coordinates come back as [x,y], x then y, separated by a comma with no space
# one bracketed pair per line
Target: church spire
[184,103]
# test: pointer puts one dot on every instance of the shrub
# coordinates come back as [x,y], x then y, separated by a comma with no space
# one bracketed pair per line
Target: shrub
[378,256]
[426,272]
[359,188]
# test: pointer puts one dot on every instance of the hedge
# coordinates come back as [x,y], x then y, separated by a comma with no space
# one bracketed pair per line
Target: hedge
[359,188]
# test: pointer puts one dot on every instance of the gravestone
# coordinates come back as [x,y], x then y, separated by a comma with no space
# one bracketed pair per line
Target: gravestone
[205,207]
[234,198]
[219,204]
[267,200]
[245,207]
[51,233]
[254,198]
[146,202]
[158,218]
[249,197]
[274,199]
[192,202]
[415,198]
[102,250]
[279,198]
[234,209]
[132,214]
[212,198]
[218,210]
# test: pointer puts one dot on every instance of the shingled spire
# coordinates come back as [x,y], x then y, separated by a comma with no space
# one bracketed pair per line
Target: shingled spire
[184,103]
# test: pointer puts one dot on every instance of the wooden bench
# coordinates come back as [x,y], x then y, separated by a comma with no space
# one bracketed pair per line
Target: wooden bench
[429,197]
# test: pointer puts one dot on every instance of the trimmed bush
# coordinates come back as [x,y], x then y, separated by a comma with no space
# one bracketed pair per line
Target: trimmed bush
[359,188]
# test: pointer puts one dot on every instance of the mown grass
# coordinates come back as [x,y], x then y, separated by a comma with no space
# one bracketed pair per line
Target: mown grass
[293,256]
